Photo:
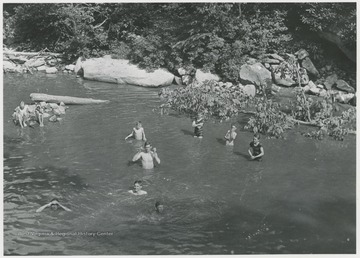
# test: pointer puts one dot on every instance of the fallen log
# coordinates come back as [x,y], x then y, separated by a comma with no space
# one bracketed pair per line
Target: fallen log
[15,53]
[65,99]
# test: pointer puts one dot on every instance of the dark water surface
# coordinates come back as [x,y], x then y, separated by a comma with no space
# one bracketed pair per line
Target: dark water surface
[300,199]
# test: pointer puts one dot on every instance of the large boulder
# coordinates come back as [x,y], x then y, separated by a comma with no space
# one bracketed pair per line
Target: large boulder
[344,86]
[310,67]
[254,74]
[122,72]
[330,81]
[201,76]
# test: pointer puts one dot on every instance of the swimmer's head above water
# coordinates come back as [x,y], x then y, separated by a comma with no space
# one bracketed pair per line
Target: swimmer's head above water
[137,185]
[159,207]
[54,204]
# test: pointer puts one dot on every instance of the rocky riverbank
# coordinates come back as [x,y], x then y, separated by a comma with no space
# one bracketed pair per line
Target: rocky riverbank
[268,71]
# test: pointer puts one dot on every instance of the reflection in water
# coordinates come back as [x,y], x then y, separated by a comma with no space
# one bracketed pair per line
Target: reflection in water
[216,201]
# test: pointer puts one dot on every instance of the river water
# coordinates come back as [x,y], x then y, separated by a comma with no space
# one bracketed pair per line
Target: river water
[300,199]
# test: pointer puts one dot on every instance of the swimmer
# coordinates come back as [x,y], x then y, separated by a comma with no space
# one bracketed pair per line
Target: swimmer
[159,207]
[21,114]
[137,133]
[53,205]
[137,188]
[256,151]
[230,136]
[198,124]
[147,157]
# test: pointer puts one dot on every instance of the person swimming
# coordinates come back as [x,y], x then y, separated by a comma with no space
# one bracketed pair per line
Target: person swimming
[137,133]
[159,207]
[53,205]
[147,157]
[137,188]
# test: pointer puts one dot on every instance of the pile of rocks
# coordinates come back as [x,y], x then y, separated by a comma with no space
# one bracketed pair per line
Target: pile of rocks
[280,71]
[52,111]
[29,62]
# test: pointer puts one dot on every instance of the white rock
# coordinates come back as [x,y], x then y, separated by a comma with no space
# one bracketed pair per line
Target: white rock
[201,76]
[51,70]
[9,66]
[181,71]
[228,84]
[42,68]
[250,90]
[122,72]
[70,67]
[78,65]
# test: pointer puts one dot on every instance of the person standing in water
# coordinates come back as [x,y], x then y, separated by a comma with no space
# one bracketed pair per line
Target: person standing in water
[21,114]
[137,133]
[147,156]
[230,136]
[53,205]
[256,151]
[198,124]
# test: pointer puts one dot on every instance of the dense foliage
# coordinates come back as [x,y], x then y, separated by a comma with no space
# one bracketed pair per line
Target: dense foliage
[269,117]
[212,36]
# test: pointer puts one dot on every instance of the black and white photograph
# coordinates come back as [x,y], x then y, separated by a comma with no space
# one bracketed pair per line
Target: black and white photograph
[179,128]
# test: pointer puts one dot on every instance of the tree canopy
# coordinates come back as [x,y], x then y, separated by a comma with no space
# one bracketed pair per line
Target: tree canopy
[211,36]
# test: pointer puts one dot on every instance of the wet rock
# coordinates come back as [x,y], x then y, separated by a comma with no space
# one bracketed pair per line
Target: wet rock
[254,74]
[123,72]
[51,70]
[309,66]
[344,86]
[201,76]
[330,81]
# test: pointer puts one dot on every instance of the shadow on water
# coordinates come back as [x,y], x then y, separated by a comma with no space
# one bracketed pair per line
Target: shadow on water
[187,132]
[244,155]
[221,141]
